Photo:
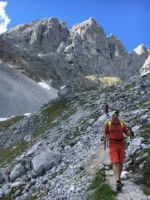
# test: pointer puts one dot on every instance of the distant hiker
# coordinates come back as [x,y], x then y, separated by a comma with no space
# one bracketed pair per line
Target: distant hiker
[114,131]
[106,108]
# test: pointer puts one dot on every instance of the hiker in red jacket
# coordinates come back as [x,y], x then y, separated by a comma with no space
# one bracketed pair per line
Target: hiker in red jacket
[106,107]
[114,131]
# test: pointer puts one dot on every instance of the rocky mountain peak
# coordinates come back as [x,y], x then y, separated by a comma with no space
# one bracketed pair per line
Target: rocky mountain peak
[141,49]
[145,69]
[41,35]
[46,49]
[89,26]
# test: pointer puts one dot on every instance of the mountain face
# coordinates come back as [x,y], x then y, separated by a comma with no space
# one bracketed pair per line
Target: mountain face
[19,94]
[145,69]
[47,50]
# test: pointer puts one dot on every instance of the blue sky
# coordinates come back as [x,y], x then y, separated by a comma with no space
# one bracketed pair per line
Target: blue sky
[127,19]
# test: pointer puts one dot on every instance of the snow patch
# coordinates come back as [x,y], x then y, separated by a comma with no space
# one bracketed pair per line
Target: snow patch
[62,87]
[3,119]
[44,85]
[27,114]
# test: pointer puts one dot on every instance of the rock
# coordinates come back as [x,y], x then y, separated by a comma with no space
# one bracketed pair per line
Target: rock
[134,145]
[124,175]
[1,176]
[135,129]
[6,188]
[145,69]
[65,92]
[1,193]
[28,138]
[26,163]
[17,172]
[140,159]
[139,180]
[144,118]
[141,166]
[33,148]
[45,161]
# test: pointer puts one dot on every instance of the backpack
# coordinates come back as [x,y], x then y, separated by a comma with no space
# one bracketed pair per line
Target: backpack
[121,123]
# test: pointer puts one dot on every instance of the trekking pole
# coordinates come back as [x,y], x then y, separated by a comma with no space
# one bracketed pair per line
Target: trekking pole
[104,160]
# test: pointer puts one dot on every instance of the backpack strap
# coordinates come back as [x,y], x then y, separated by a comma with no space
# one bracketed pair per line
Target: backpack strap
[110,123]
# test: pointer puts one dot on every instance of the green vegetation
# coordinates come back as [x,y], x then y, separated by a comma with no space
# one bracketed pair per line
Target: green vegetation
[107,81]
[11,195]
[145,171]
[55,109]
[6,124]
[108,89]
[32,198]
[129,87]
[95,116]
[146,190]
[145,104]
[101,190]
[51,112]
[69,139]
[11,152]
[145,132]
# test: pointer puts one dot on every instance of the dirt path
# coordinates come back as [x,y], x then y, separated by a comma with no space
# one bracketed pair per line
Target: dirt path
[130,190]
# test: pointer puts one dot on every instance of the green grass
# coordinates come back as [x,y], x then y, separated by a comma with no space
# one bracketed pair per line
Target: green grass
[11,195]
[69,139]
[55,109]
[145,132]
[6,124]
[95,116]
[129,87]
[146,190]
[102,191]
[145,104]
[51,112]
[9,153]
[146,172]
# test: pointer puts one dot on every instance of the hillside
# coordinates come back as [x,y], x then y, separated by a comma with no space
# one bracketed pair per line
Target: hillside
[20,94]
[56,152]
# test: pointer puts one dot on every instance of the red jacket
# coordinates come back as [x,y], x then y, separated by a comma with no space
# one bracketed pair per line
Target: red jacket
[115,131]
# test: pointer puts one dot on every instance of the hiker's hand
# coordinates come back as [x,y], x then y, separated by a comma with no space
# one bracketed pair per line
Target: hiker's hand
[132,134]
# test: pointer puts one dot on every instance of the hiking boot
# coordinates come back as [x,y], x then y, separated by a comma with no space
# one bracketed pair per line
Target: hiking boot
[119,185]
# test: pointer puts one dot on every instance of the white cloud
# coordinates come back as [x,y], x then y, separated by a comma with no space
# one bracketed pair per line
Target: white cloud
[4,19]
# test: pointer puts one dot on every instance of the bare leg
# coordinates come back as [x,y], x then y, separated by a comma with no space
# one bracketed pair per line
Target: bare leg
[116,169]
[120,168]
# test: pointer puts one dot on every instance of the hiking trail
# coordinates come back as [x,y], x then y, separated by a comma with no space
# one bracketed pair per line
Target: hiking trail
[130,190]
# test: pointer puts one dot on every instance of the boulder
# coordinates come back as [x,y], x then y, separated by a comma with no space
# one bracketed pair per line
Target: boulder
[17,172]
[65,92]
[45,161]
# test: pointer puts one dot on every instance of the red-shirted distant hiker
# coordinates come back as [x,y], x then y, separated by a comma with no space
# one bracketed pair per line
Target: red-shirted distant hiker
[114,131]
[106,108]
